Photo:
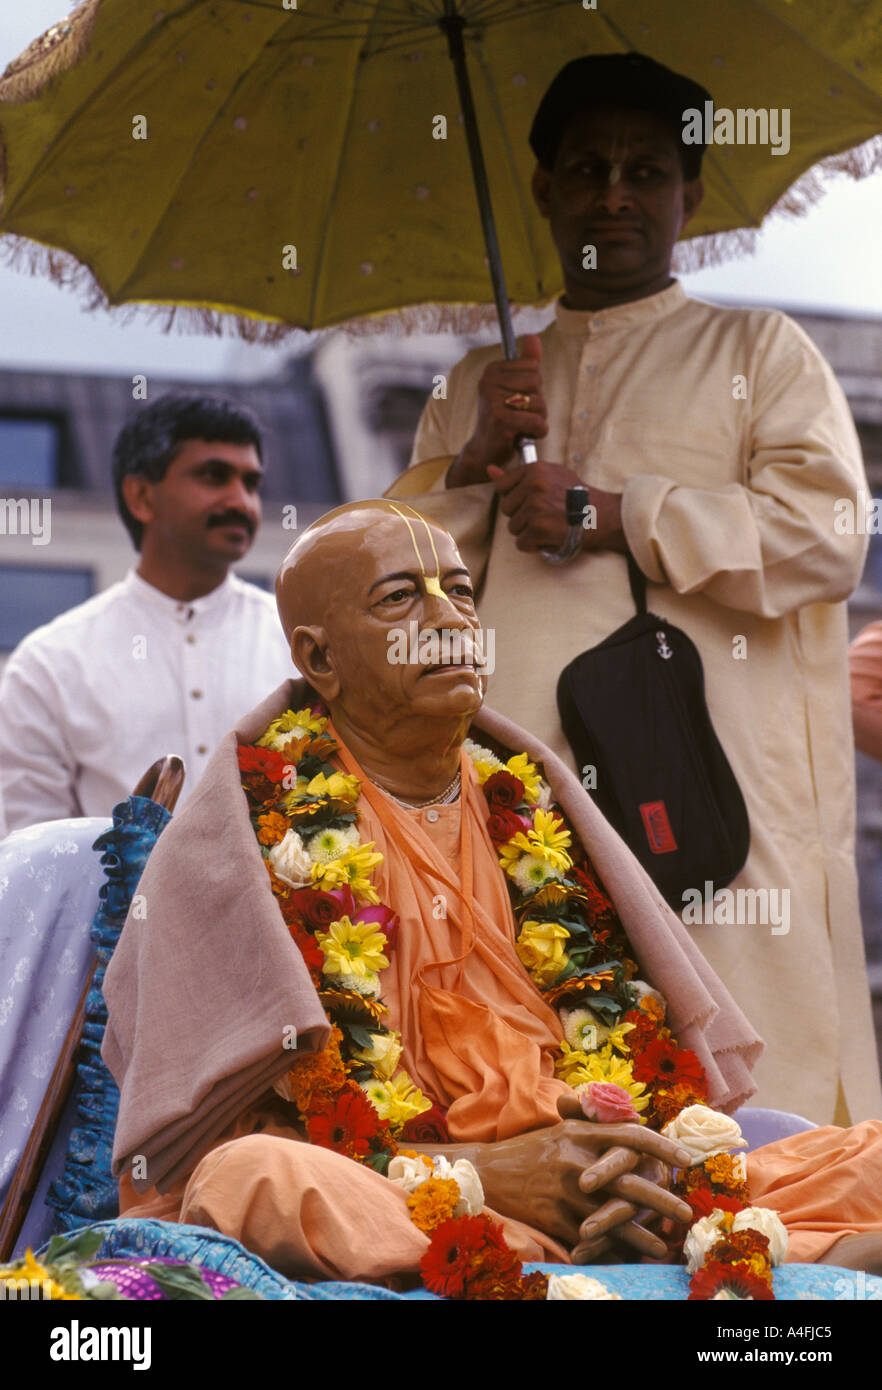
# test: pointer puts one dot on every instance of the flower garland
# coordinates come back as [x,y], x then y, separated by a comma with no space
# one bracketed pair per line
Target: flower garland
[618,1055]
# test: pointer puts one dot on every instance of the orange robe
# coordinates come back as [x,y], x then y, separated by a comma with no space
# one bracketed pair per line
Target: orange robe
[479,1041]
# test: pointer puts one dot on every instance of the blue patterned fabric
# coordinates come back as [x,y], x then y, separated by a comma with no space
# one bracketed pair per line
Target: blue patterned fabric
[134,1239]
[49,881]
[85,1192]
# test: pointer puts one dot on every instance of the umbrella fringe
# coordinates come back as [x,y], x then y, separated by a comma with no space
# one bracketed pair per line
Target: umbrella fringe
[63,269]
[54,52]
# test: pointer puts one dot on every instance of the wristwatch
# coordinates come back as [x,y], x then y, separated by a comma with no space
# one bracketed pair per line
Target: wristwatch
[577,502]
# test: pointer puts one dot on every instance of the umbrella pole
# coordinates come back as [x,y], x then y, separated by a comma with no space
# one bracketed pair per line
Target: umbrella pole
[452,25]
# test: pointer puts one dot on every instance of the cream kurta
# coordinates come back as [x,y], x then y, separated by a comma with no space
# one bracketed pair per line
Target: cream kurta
[730,441]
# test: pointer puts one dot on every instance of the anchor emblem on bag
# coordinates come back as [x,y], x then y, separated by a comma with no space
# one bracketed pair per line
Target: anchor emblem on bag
[664,651]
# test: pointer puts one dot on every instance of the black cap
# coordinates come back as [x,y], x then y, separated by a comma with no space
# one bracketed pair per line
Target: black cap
[616,79]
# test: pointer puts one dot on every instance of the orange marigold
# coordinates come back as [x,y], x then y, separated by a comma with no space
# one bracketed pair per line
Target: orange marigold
[747,1248]
[722,1172]
[280,889]
[434,1202]
[318,1076]
[272,828]
[652,1006]
[670,1100]
[692,1180]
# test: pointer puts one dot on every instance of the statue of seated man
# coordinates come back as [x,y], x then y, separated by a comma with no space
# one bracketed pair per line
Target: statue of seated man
[388,920]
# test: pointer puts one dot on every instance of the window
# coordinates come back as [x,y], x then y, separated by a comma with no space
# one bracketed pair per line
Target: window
[29,452]
[33,595]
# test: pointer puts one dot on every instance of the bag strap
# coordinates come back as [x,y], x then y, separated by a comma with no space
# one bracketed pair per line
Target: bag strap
[637,580]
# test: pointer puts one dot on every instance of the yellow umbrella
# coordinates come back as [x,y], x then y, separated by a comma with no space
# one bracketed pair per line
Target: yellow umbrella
[305,162]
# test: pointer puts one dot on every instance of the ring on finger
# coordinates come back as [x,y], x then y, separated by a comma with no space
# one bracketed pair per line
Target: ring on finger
[518,401]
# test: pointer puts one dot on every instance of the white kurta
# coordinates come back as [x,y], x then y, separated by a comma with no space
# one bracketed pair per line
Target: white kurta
[730,440]
[90,700]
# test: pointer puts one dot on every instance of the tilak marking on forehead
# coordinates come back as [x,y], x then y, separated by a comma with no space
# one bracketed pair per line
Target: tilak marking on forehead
[433,582]
[616,160]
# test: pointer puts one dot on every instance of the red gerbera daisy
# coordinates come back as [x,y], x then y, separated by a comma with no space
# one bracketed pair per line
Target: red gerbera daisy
[456,1253]
[309,949]
[347,1124]
[664,1063]
[703,1202]
[264,760]
[735,1280]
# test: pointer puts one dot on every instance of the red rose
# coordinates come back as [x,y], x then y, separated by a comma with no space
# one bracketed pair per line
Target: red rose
[502,826]
[503,791]
[317,910]
[428,1128]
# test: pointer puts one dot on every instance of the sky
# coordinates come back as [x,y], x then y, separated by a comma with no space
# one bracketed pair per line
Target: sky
[828,261]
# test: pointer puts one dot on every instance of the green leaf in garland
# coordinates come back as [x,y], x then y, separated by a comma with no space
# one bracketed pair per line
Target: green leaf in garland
[181,1282]
[360,1036]
[75,1249]
[379,1163]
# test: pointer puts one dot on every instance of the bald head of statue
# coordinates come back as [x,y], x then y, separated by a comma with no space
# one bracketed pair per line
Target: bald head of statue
[379,611]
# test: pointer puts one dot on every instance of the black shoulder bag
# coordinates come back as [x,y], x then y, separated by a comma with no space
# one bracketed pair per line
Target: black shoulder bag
[633,709]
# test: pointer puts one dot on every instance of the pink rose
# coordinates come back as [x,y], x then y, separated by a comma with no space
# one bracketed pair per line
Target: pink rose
[382,917]
[608,1103]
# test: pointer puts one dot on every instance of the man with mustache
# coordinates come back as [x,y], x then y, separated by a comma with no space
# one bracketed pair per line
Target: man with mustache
[163,661]
[711,443]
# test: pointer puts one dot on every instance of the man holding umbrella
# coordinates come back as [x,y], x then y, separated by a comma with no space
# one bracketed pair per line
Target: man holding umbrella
[713,443]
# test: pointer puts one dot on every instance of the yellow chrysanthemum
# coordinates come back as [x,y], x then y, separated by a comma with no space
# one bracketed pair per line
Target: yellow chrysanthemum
[338,787]
[616,1036]
[547,840]
[397,1100]
[291,725]
[520,766]
[570,1061]
[30,1268]
[485,769]
[352,948]
[540,947]
[606,1066]
[353,868]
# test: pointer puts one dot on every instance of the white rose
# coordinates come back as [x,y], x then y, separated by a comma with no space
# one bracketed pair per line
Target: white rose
[409,1173]
[701,1238]
[290,861]
[577,1286]
[704,1132]
[767,1223]
[471,1193]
